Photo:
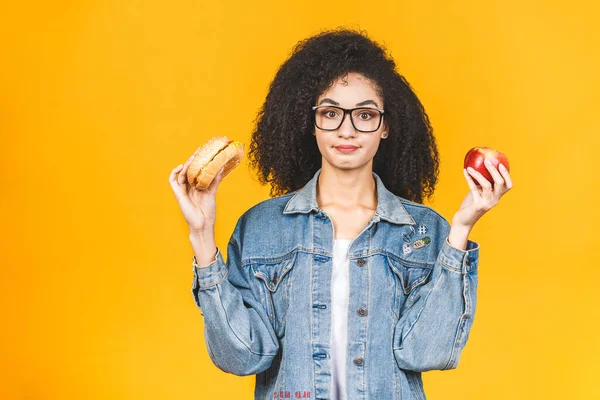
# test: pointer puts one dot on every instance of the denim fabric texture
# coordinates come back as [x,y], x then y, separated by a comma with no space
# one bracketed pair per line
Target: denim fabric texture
[267,312]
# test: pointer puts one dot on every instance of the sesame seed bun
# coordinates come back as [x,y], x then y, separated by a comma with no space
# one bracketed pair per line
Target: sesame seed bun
[216,153]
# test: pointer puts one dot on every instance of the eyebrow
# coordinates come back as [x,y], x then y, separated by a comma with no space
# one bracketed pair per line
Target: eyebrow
[362,103]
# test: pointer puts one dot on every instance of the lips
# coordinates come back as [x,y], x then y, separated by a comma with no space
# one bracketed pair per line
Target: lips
[346,148]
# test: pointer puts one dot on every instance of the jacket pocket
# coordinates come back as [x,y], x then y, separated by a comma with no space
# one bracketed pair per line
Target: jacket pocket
[273,279]
[406,276]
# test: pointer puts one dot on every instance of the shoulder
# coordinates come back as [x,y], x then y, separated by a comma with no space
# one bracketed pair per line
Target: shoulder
[267,210]
[274,205]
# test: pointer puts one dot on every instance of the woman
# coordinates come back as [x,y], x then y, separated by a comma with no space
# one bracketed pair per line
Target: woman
[343,285]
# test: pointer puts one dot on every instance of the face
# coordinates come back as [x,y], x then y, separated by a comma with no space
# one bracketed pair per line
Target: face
[350,91]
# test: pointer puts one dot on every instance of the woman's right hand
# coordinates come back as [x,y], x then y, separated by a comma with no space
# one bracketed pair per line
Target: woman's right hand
[198,206]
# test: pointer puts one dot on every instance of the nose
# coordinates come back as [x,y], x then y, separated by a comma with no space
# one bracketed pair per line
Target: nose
[346,129]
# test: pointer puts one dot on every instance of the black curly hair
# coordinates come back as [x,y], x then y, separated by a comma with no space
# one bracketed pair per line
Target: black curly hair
[407,160]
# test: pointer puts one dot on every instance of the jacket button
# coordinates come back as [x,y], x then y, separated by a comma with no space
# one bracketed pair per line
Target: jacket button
[361,262]
[358,360]
[275,279]
[362,311]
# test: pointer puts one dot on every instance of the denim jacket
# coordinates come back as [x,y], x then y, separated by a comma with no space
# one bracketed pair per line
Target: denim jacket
[266,310]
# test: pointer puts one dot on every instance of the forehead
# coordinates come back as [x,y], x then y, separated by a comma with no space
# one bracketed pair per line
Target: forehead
[351,89]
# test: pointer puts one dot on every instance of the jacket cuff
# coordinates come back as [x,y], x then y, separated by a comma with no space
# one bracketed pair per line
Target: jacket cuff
[459,260]
[211,275]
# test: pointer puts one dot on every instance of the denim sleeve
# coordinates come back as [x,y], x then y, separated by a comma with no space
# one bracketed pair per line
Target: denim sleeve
[436,318]
[238,335]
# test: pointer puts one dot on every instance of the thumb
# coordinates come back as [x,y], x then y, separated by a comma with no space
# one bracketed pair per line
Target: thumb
[212,188]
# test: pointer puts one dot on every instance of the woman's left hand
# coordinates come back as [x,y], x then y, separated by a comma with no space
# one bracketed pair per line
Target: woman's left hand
[481,199]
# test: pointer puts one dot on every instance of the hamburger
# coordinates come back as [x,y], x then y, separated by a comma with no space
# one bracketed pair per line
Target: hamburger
[218,152]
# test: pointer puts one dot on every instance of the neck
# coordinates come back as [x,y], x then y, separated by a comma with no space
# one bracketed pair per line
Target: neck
[347,188]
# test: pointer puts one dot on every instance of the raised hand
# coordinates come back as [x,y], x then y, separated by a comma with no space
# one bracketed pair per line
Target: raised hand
[484,197]
[198,206]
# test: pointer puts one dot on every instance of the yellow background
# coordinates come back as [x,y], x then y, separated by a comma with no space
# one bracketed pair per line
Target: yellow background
[99,100]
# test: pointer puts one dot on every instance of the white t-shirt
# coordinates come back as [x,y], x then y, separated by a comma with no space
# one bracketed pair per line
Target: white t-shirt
[339,316]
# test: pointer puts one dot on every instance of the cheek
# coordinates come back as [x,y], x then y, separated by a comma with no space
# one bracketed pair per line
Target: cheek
[325,149]
[371,147]
[321,144]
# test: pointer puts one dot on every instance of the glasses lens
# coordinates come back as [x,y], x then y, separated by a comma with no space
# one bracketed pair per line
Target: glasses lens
[328,118]
[366,119]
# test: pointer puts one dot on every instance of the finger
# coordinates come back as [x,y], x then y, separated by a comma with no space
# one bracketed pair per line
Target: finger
[485,184]
[182,175]
[173,177]
[498,180]
[212,188]
[174,172]
[471,183]
[506,175]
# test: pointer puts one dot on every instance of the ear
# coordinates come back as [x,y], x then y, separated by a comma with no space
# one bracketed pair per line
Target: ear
[385,131]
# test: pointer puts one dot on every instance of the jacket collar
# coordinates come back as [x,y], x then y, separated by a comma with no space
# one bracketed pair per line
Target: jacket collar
[389,206]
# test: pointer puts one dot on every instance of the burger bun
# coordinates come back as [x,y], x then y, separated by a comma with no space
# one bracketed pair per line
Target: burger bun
[218,152]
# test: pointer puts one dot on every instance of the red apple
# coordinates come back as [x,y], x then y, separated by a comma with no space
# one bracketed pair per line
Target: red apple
[474,159]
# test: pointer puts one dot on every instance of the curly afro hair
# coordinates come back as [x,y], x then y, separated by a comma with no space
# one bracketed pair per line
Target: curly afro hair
[406,161]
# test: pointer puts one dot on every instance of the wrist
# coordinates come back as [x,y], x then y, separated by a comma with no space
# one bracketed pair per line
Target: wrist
[202,234]
[458,236]
[204,248]
[460,225]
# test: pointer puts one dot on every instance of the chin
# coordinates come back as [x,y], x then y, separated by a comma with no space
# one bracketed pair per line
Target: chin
[346,165]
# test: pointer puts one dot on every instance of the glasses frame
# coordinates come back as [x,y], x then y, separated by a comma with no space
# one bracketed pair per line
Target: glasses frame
[347,111]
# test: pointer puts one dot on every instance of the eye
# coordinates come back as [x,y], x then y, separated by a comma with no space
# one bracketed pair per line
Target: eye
[365,116]
[330,113]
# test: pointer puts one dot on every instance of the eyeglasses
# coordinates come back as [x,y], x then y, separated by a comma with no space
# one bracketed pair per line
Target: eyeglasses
[330,118]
